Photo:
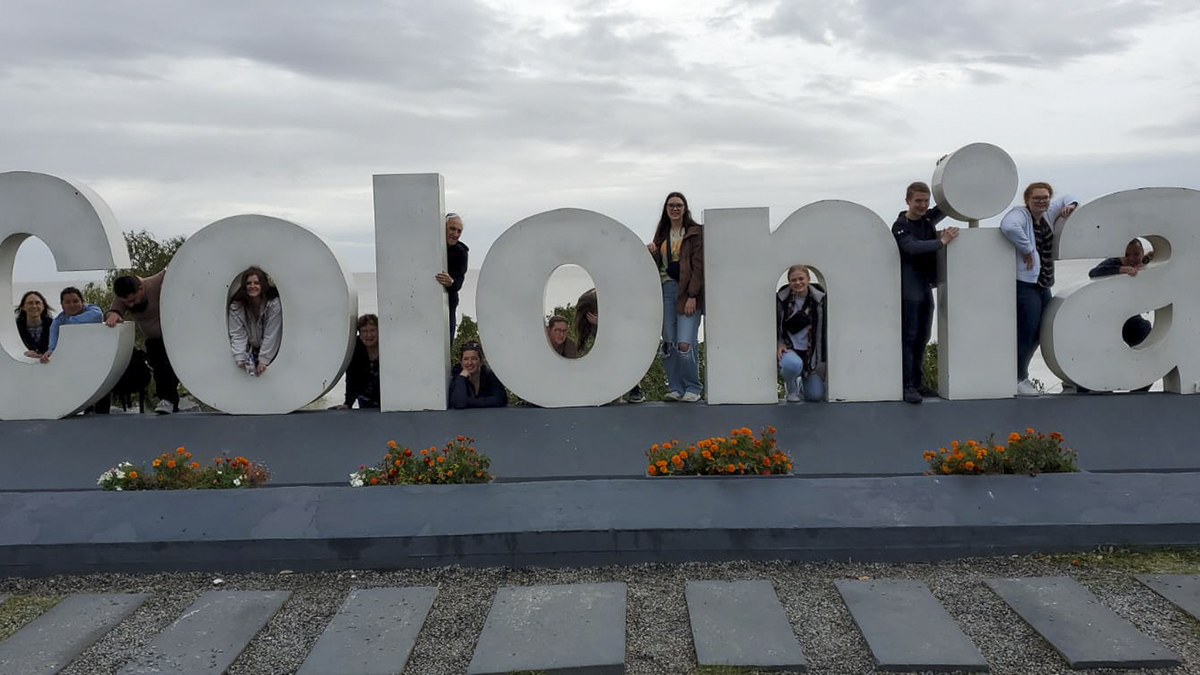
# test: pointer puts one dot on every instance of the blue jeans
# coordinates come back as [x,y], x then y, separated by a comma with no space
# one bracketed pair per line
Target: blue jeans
[683,369]
[1031,303]
[791,367]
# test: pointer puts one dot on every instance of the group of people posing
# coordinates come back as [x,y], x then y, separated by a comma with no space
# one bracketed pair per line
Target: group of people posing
[255,313]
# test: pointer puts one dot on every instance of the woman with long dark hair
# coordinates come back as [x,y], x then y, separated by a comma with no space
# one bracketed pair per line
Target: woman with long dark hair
[678,250]
[33,323]
[255,322]
[473,384]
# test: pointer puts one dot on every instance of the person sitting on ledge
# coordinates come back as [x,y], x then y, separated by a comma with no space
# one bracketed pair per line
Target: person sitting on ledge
[473,384]
[800,336]
[255,320]
[76,311]
[33,323]
[362,375]
[140,297]
[557,332]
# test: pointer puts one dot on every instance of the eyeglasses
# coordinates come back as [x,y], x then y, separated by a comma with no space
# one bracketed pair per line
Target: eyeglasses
[674,206]
[1040,199]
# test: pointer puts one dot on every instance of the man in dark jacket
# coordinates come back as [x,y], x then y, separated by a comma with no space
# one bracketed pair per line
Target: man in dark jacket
[919,243]
[456,260]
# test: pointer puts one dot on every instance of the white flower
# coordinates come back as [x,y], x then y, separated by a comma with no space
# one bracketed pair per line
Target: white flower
[119,488]
[120,474]
[237,482]
[357,482]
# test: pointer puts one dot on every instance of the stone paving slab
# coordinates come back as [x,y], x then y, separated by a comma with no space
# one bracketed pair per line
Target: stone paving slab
[906,628]
[1085,632]
[48,643]
[1183,590]
[210,635]
[574,628]
[741,623]
[372,634]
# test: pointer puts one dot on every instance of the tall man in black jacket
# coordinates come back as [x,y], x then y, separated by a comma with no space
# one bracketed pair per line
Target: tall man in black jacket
[919,243]
[456,260]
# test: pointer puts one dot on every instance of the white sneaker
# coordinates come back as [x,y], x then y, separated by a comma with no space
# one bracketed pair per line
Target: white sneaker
[1026,388]
[672,396]
[690,397]
[164,408]
[792,397]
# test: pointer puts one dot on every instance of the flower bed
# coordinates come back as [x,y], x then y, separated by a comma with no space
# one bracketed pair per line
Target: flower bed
[178,471]
[738,454]
[456,462]
[1031,453]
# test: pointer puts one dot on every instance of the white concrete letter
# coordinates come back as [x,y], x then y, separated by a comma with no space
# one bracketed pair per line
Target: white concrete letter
[977,349]
[854,252]
[511,296]
[82,233]
[1081,336]
[414,331]
[320,305]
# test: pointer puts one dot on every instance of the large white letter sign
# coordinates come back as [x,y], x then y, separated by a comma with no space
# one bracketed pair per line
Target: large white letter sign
[511,297]
[1081,336]
[977,352]
[855,254]
[320,306]
[414,331]
[82,233]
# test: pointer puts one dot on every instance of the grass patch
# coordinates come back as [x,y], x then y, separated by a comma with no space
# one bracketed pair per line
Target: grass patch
[1147,561]
[19,610]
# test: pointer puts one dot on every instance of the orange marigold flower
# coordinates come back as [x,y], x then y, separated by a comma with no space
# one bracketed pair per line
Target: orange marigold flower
[788,466]
[943,451]
[969,465]
[945,468]
[654,447]
[652,470]
[998,448]
[706,454]
[770,429]
[1028,431]
[171,464]
[757,443]
[662,463]
[425,452]
[180,450]
[683,454]
[396,463]
[407,452]
[133,474]
[441,459]
[1056,436]
[450,473]
[953,445]
[1014,437]
[746,431]
[733,432]
[766,461]
[391,444]
[156,462]
[478,474]
[460,438]
[730,468]
[195,465]
[374,481]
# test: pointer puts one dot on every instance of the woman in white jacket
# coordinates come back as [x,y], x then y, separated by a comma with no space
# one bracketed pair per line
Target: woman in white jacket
[255,322]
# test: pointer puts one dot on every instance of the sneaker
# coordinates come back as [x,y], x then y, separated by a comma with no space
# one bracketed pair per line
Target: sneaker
[1026,388]
[911,395]
[636,395]
[672,396]
[690,397]
[164,408]
[792,397]
[791,390]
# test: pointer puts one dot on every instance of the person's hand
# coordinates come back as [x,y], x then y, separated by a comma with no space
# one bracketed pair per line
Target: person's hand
[31,354]
[260,368]
[45,358]
[112,318]
[689,307]
[1130,270]
[948,235]
[651,247]
[779,353]
[464,373]
[1068,210]
[444,279]
[592,318]
[1028,258]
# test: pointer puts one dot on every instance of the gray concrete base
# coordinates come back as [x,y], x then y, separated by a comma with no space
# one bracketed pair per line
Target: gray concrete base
[592,522]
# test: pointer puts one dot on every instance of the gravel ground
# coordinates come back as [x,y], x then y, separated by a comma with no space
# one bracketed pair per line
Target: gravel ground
[657,629]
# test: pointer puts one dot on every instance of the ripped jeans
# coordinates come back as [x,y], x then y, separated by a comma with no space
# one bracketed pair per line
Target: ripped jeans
[683,368]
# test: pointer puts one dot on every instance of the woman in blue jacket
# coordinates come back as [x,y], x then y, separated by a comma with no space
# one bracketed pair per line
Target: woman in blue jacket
[74,311]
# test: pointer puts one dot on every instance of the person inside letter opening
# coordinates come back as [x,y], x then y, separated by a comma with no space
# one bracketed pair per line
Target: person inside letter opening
[919,241]
[456,260]
[800,336]
[678,250]
[255,320]
[1030,228]
[587,321]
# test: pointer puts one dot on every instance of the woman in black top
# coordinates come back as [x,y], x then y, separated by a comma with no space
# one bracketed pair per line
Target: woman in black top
[33,323]
[362,375]
[473,384]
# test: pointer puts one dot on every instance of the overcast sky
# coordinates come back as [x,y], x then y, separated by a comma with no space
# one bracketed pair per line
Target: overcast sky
[182,113]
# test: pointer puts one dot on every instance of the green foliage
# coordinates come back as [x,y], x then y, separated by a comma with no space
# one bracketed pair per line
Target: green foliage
[19,610]
[177,471]
[456,463]
[1031,453]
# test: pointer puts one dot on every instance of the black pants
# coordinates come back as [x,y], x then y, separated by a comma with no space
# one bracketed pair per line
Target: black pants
[165,382]
[1031,304]
[916,321]
[453,315]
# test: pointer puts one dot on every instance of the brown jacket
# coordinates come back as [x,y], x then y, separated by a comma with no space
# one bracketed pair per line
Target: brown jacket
[691,266]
